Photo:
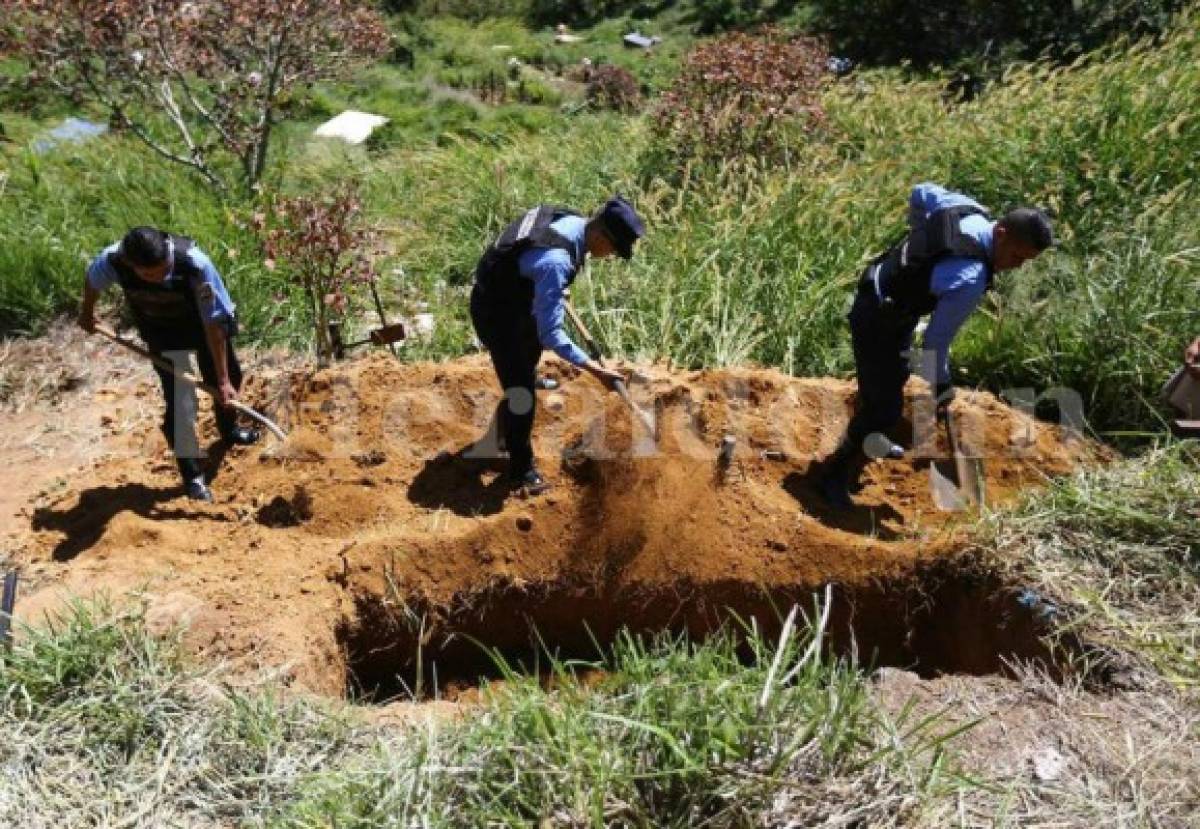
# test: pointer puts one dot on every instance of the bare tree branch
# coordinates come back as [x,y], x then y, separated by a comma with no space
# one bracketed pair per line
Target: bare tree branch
[213,71]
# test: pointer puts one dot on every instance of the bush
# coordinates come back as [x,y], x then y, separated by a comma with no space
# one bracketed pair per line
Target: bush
[324,249]
[719,15]
[946,31]
[611,87]
[736,95]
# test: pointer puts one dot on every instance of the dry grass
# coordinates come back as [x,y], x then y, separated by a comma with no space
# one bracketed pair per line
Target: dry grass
[1058,754]
[1117,551]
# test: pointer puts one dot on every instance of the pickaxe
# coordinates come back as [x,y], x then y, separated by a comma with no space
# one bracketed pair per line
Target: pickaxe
[187,377]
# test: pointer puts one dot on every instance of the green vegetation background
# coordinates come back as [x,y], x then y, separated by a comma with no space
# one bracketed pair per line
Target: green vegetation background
[752,266]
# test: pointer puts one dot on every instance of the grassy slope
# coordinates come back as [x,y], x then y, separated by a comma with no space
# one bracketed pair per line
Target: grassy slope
[756,268]
[105,723]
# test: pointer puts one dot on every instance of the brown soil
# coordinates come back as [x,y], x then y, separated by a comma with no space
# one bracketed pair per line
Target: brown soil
[369,546]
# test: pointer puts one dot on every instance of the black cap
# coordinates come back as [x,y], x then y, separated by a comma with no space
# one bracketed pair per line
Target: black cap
[1031,226]
[623,224]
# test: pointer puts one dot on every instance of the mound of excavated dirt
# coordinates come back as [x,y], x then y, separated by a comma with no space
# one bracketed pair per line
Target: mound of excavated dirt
[372,542]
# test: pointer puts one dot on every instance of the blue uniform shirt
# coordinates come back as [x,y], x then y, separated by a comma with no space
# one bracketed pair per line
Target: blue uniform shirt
[957,282]
[215,304]
[551,272]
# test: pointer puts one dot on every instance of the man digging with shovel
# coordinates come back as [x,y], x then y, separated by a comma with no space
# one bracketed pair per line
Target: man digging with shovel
[518,307]
[942,267]
[179,305]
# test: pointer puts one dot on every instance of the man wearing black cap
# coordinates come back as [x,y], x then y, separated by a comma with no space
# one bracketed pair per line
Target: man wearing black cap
[517,309]
[179,305]
[942,267]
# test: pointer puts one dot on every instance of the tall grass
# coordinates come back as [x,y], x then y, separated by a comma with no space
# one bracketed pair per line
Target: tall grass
[106,725]
[739,266]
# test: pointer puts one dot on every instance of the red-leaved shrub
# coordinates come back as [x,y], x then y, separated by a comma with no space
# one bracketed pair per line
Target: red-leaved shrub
[322,246]
[612,87]
[736,93]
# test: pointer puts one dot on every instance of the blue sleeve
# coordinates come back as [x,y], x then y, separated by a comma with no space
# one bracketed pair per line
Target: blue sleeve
[959,284]
[214,301]
[100,274]
[551,272]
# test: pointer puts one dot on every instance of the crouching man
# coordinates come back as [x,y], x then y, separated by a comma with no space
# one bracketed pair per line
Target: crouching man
[180,306]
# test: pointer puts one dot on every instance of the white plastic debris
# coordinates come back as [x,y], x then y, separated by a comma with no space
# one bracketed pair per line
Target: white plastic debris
[1048,765]
[72,131]
[638,40]
[351,126]
[423,325]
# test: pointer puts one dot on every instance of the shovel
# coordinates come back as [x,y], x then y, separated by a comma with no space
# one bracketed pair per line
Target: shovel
[948,495]
[167,365]
[620,386]
[387,335]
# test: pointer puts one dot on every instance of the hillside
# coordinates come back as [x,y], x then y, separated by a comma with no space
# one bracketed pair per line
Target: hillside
[368,627]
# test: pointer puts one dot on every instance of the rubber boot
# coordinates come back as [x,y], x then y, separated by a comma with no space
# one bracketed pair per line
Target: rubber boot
[242,436]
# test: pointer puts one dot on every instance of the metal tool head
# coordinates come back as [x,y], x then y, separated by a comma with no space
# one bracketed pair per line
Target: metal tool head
[388,334]
[966,488]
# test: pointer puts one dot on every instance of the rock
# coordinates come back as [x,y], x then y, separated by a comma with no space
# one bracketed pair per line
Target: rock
[1048,765]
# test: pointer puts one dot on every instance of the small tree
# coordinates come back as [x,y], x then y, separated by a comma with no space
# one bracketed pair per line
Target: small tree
[323,247]
[194,79]
[611,87]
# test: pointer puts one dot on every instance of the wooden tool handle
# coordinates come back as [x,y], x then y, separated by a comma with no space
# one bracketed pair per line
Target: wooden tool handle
[188,377]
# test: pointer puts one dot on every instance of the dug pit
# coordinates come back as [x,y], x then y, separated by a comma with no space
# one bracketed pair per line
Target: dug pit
[377,548]
[945,619]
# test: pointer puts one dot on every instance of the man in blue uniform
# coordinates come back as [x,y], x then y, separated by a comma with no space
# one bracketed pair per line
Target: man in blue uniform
[943,268]
[517,309]
[179,305]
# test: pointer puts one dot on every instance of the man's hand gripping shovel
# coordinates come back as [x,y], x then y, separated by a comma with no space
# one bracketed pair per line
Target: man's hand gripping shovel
[619,386]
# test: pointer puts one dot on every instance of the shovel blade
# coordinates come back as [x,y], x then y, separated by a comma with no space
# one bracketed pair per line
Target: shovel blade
[387,335]
[947,496]
[965,488]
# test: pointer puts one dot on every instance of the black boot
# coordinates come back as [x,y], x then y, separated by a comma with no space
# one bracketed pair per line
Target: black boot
[530,483]
[242,436]
[197,490]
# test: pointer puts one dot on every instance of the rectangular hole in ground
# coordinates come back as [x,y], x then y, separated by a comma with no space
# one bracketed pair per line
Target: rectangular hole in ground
[939,622]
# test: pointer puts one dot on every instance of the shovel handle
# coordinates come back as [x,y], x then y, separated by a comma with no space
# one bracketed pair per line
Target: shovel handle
[188,377]
[619,386]
[587,335]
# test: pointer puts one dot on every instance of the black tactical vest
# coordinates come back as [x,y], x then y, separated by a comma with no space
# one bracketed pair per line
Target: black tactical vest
[903,273]
[497,276]
[162,305]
